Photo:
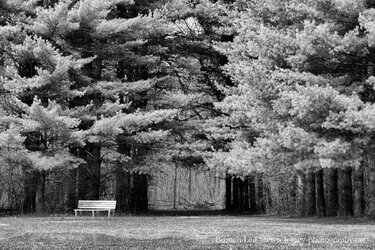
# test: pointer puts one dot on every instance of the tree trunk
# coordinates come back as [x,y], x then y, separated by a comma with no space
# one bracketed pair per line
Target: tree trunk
[347,193]
[267,191]
[40,192]
[29,186]
[246,195]
[72,200]
[261,202]
[139,194]
[189,197]
[123,192]
[228,192]
[241,197]
[94,165]
[302,192]
[320,200]
[235,194]
[359,191]
[292,195]
[311,194]
[252,194]
[175,188]
[333,201]
[371,189]
[80,179]
[83,182]
[93,150]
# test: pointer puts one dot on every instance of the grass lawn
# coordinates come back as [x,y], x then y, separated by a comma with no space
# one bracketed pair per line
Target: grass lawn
[185,232]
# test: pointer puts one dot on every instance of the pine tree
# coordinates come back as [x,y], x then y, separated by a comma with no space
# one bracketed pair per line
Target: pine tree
[35,73]
[304,75]
[138,77]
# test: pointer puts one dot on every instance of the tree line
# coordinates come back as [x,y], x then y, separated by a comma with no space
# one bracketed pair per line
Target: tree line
[304,104]
[97,96]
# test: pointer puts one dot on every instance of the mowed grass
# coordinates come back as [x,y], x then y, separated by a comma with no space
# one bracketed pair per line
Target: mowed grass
[184,232]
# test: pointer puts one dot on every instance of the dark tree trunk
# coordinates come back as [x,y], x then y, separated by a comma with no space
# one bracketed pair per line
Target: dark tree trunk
[189,198]
[139,194]
[293,195]
[93,150]
[79,187]
[235,194]
[29,186]
[320,200]
[261,201]
[302,193]
[252,194]
[267,191]
[175,188]
[72,198]
[359,191]
[333,201]
[228,192]
[246,194]
[241,197]
[311,194]
[123,191]
[144,198]
[83,182]
[94,164]
[371,188]
[40,192]
[347,193]
[132,189]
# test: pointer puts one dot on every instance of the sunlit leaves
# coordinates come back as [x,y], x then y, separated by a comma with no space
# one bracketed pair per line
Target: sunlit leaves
[58,159]
[54,21]
[41,68]
[11,138]
[303,78]
[89,13]
[367,21]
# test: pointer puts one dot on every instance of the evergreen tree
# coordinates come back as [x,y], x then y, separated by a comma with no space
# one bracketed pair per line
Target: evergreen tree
[137,77]
[304,75]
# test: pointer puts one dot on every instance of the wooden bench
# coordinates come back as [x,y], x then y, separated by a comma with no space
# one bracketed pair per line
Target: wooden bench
[95,206]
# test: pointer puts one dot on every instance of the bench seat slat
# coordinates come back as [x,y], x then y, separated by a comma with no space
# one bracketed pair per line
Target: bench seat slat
[94,202]
[90,204]
[94,205]
[113,207]
[98,202]
[97,208]
[89,209]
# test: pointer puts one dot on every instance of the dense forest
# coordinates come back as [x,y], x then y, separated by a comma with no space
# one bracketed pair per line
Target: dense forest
[274,98]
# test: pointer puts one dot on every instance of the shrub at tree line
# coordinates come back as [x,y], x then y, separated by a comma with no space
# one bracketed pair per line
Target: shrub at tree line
[98,96]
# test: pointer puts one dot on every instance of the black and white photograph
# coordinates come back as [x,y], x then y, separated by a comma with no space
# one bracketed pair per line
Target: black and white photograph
[187,124]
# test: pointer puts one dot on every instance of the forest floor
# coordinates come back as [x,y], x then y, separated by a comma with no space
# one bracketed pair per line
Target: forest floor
[184,232]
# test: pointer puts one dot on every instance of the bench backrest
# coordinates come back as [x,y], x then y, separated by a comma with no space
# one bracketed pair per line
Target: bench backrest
[97,204]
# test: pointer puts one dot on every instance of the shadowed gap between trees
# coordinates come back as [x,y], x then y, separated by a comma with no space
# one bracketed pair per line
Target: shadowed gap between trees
[57,192]
[320,192]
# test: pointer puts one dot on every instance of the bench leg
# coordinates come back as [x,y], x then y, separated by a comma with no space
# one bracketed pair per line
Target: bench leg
[93,213]
[109,213]
[75,213]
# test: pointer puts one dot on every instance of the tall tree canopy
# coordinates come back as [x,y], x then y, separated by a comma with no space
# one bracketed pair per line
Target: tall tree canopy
[122,84]
[99,91]
[304,93]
